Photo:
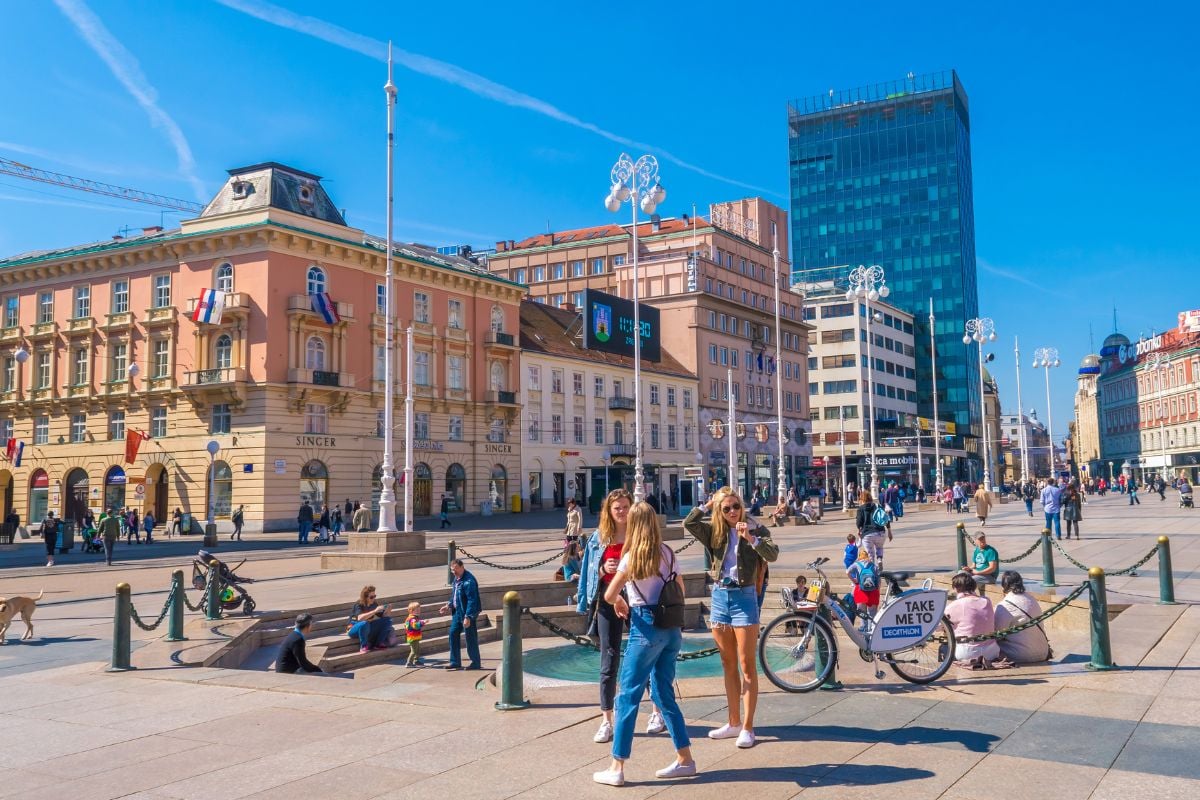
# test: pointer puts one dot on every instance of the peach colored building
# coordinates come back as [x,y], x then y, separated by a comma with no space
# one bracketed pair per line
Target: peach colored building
[713,282]
[294,401]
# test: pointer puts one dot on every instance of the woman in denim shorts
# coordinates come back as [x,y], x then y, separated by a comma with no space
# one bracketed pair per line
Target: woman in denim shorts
[739,549]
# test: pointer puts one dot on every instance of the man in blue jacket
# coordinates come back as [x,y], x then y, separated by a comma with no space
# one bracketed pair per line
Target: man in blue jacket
[464,607]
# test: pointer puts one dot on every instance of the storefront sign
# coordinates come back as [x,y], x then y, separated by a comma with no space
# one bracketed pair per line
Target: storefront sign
[891,461]
[692,280]
[716,429]
[116,476]
[1129,352]
[717,457]
[567,453]
[426,444]
[316,441]
[498,449]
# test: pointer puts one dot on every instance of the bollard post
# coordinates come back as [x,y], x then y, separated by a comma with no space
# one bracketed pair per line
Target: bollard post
[214,591]
[1047,560]
[1166,581]
[175,613]
[451,554]
[1101,644]
[121,616]
[960,534]
[512,662]
[822,655]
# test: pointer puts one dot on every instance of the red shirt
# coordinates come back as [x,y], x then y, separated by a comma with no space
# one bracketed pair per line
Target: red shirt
[610,551]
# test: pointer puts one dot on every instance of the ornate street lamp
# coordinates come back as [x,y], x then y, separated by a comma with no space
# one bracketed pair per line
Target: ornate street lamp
[869,283]
[1047,357]
[980,330]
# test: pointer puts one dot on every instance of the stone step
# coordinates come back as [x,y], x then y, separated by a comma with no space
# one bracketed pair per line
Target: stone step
[353,660]
[336,641]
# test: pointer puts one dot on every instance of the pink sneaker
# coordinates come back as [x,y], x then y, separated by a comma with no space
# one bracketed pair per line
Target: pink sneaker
[364,650]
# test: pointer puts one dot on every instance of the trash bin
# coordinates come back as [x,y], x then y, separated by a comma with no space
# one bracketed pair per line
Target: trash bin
[516,503]
[485,508]
[185,523]
[66,536]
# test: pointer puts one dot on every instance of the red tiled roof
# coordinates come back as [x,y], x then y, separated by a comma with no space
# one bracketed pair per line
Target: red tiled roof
[582,235]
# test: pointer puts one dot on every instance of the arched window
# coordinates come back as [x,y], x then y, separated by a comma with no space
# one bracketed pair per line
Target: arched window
[223,352]
[498,485]
[456,487]
[222,488]
[618,433]
[498,377]
[224,278]
[314,484]
[497,319]
[316,280]
[314,353]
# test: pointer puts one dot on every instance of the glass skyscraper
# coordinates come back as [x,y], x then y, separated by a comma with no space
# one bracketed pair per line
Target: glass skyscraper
[882,175]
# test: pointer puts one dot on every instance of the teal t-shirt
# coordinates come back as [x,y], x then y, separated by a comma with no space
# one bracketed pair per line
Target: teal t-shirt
[984,556]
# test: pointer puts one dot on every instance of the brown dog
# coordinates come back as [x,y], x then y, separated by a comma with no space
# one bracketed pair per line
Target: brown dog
[11,606]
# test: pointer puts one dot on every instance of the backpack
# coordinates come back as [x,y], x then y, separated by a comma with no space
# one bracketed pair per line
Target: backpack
[903,495]
[879,517]
[868,577]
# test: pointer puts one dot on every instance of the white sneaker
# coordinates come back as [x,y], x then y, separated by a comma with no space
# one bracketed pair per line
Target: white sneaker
[655,724]
[603,734]
[725,732]
[745,739]
[609,778]
[677,770]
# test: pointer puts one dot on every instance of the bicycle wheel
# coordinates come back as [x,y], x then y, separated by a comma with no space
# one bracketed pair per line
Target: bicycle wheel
[928,660]
[797,651]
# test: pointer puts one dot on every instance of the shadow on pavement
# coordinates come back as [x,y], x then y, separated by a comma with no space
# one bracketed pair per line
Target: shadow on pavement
[807,775]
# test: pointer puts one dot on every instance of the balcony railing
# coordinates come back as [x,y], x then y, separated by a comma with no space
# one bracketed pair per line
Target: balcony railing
[497,337]
[621,404]
[12,334]
[235,303]
[81,325]
[503,398]
[118,321]
[302,302]
[320,377]
[622,449]
[163,315]
[43,330]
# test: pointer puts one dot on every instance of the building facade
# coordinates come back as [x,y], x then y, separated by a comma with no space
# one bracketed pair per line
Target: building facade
[881,175]
[713,284]
[1086,438]
[98,342]
[577,417]
[1034,438]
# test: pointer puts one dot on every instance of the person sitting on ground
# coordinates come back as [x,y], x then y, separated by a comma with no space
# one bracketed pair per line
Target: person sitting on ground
[985,563]
[865,574]
[800,593]
[369,622]
[972,615]
[780,514]
[571,559]
[809,511]
[1030,646]
[292,657]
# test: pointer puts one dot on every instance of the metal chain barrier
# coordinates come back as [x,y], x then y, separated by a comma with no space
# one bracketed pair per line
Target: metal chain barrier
[1127,571]
[685,546]
[584,641]
[463,552]
[203,593]
[162,615]
[970,538]
[1028,552]
[1045,615]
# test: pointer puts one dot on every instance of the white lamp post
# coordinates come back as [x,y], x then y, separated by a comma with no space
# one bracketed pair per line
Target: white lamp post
[213,447]
[1161,364]
[631,181]
[938,482]
[387,480]
[781,487]
[1021,417]
[1047,357]
[870,284]
[980,330]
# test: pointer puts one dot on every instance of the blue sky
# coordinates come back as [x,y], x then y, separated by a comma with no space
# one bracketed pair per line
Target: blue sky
[1083,125]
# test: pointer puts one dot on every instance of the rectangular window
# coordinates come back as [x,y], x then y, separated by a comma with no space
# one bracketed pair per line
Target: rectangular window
[576,269]
[654,394]
[599,386]
[222,419]
[558,271]
[381,362]
[120,297]
[455,314]
[380,298]
[45,307]
[41,430]
[79,367]
[712,389]
[519,276]
[454,372]
[12,311]
[380,428]
[162,291]
[421,426]
[556,428]
[578,425]
[42,376]
[577,384]
[535,377]
[456,429]
[119,364]
[556,381]
[577,300]
[421,369]
[539,274]
[654,435]
[158,423]
[6,429]
[78,428]
[598,424]
[839,387]
[619,261]
[160,358]
[617,388]
[116,425]
[712,354]
[687,437]
[671,437]
[10,376]
[597,266]
[670,397]
[535,427]
[83,301]
[687,398]
[420,307]
[737,393]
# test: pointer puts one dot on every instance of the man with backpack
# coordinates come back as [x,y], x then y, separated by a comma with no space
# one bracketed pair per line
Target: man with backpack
[873,523]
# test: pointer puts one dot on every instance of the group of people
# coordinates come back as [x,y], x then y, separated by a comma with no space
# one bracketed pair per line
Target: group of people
[330,523]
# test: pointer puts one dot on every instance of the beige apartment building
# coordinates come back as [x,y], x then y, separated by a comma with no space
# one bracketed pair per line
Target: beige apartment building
[713,283]
[97,341]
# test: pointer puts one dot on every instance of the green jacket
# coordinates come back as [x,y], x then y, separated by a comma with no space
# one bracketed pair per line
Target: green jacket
[110,527]
[748,556]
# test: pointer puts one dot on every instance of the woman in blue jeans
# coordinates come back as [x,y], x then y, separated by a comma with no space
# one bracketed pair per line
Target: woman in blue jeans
[645,567]
[369,622]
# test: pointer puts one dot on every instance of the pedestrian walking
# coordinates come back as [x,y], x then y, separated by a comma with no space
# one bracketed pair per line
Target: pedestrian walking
[644,571]
[323,525]
[110,531]
[305,520]
[239,519]
[50,536]
[574,527]
[335,523]
[1028,493]
[959,497]
[347,508]
[983,504]
[362,518]
[131,526]
[176,524]
[464,607]
[1052,506]
[444,514]
[948,498]
[1072,508]
[873,525]
[148,523]
[1131,488]
[413,626]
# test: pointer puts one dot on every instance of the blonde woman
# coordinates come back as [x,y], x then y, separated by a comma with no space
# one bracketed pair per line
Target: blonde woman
[600,558]
[739,550]
[645,567]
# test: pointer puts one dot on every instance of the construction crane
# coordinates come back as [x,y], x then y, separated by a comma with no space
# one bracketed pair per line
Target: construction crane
[8,167]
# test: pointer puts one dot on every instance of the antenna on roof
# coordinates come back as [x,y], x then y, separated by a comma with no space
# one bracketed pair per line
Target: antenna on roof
[1115,328]
[1091,339]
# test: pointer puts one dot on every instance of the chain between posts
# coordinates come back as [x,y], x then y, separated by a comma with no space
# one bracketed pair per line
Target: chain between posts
[163,615]
[1035,546]
[1127,571]
[199,606]
[1009,631]
[689,543]
[466,553]
[584,641]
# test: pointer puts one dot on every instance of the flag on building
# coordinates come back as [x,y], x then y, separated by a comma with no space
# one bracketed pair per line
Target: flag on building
[209,306]
[325,307]
[20,450]
[10,449]
[133,440]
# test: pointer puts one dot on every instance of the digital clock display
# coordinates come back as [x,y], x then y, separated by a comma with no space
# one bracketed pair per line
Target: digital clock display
[609,326]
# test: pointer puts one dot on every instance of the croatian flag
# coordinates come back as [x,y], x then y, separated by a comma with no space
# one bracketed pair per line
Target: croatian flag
[209,306]
[325,307]
[20,450]
[10,449]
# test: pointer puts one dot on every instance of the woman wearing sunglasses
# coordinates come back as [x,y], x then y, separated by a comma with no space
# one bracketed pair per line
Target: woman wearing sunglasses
[739,549]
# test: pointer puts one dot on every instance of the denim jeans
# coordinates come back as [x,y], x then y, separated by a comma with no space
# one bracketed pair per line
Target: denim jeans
[305,527]
[1055,517]
[650,654]
[457,631]
[1029,506]
[371,632]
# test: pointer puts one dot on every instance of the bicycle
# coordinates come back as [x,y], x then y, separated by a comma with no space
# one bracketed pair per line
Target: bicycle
[798,649]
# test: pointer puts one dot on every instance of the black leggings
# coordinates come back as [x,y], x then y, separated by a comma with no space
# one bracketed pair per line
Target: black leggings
[51,539]
[610,628]
[1071,522]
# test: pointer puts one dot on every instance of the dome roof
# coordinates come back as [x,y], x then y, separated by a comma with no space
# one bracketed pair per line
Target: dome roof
[1090,361]
[1112,343]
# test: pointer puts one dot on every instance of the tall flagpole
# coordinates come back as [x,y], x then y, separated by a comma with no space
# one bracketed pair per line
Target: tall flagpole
[408,431]
[387,494]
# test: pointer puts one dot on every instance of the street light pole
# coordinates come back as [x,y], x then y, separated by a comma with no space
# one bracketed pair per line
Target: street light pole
[629,181]
[1159,365]
[387,493]
[781,488]
[980,330]
[1021,416]
[842,442]
[937,434]
[1047,357]
[870,284]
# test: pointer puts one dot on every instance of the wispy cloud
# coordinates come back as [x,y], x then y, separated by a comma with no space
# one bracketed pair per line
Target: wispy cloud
[465,79]
[125,68]
[1019,278]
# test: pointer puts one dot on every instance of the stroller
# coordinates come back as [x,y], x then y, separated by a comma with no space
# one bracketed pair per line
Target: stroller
[1185,500]
[90,537]
[229,588]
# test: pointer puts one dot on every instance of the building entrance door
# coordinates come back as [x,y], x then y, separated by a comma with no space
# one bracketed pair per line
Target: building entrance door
[422,490]
[77,495]
[559,489]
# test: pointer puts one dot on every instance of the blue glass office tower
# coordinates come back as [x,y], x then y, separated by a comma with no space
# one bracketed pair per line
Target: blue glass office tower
[882,175]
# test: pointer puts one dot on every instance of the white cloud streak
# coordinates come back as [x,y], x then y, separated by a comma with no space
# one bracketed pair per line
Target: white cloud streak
[1015,276]
[125,68]
[465,79]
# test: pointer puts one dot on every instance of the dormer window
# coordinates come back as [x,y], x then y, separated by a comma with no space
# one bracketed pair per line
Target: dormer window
[241,189]
[306,195]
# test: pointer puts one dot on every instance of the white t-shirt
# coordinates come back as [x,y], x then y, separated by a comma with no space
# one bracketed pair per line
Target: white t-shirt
[646,591]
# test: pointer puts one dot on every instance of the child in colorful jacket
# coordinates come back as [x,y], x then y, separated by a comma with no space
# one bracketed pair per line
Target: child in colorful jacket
[413,626]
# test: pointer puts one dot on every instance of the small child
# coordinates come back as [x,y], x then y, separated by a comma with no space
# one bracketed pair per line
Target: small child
[798,594]
[413,625]
[851,554]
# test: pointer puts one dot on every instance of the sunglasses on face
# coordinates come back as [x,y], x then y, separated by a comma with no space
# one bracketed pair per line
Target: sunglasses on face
[727,509]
